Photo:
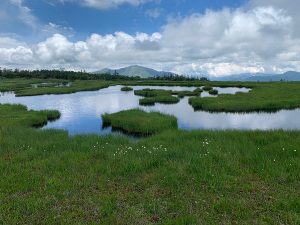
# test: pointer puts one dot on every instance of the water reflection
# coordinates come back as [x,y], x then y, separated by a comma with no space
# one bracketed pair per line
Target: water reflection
[81,112]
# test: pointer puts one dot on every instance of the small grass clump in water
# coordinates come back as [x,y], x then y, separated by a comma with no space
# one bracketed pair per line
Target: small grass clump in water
[207,88]
[182,94]
[164,99]
[138,122]
[153,96]
[147,101]
[167,99]
[198,90]
[152,92]
[213,92]
[126,89]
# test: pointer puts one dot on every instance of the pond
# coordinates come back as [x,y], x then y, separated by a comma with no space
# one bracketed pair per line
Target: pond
[81,112]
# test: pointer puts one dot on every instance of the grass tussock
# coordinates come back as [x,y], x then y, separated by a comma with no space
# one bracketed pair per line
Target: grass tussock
[207,88]
[198,90]
[126,89]
[182,94]
[153,96]
[164,99]
[139,122]
[147,101]
[213,92]
[152,92]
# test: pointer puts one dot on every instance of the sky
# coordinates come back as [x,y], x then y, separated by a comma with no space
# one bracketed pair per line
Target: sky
[192,37]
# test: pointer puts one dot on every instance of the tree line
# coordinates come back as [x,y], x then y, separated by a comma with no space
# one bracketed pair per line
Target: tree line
[82,75]
[59,74]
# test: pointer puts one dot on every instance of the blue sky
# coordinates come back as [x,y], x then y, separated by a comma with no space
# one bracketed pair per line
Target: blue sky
[148,17]
[186,36]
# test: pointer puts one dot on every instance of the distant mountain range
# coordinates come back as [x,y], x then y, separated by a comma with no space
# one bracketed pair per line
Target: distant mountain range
[261,77]
[133,71]
[145,72]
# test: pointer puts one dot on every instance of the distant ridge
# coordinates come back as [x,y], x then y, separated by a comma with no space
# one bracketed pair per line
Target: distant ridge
[134,71]
[261,77]
[144,72]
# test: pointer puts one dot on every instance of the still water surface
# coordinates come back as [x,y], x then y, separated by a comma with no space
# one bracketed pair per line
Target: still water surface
[81,112]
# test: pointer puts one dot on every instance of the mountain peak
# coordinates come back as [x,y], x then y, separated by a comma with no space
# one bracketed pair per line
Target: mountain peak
[134,71]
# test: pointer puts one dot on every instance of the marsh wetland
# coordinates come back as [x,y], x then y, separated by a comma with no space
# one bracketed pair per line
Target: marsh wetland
[227,158]
[81,112]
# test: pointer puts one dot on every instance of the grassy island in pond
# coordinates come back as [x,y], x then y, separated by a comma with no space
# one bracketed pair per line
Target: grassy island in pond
[268,97]
[152,92]
[138,122]
[207,88]
[126,89]
[213,92]
[164,99]
[147,101]
[153,96]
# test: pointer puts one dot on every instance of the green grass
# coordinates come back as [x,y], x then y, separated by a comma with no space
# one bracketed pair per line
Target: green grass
[158,93]
[76,86]
[198,90]
[126,88]
[153,96]
[263,97]
[207,88]
[147,101]
[213,92]
[152,92]
[174,177]
[177,177]
[33,87]
[17,84]
[138,122]
[18,115]
[182,94]
[164,99]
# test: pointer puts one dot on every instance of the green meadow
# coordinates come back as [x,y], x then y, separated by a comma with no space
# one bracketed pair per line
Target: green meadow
[170,177]
[33,87]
